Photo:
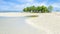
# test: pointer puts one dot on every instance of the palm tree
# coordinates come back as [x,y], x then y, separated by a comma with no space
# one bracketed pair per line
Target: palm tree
[42,9]
[27,9]
[38,9]
[50,8]
[33,8]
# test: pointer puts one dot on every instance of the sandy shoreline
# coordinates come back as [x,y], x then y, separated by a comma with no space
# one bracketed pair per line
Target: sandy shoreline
[32,22]
[17,14]
[49,22]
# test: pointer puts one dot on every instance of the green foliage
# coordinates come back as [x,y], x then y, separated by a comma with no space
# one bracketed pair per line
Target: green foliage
[33,8]
[38,9]
[50,8]
[42,9]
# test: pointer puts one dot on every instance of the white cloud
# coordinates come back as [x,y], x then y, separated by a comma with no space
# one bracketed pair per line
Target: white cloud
[14,6]
[56,5]
[25,0]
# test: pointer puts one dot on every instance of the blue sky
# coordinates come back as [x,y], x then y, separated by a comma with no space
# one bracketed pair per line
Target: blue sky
[18,5]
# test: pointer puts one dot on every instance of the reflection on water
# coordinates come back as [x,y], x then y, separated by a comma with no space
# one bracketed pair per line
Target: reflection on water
[16,25]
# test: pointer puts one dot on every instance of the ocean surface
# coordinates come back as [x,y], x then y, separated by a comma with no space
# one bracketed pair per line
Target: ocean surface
[10,11]
[17,25]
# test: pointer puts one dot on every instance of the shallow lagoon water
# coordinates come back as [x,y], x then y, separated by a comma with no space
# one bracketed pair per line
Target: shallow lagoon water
[17,25]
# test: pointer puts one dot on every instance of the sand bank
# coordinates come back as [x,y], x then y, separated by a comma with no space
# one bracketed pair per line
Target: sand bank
[48,22]
[12,14]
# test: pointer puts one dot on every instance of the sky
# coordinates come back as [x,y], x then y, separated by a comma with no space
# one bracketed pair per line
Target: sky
[18,5]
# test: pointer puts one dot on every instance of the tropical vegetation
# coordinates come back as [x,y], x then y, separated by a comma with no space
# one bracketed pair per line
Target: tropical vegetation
[38,9]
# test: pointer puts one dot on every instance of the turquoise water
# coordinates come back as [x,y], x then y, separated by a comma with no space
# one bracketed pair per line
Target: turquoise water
[10,11]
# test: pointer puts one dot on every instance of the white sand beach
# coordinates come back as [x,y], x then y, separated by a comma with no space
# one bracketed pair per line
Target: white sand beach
[48,22]
[14,14]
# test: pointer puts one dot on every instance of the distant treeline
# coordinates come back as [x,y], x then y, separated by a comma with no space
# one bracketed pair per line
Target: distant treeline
[38,9]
